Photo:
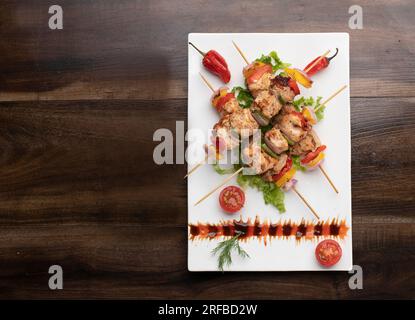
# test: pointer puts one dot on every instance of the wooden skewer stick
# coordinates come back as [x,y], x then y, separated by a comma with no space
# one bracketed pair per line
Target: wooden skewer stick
[207,82]
[201,163]
[306,202]
[240,52]
[328,178]
[227,179]
[320,167]
[317,61]
[220,185]
[331,97]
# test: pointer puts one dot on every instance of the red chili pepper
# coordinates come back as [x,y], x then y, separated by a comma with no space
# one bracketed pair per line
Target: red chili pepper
[215,63]
[323,63]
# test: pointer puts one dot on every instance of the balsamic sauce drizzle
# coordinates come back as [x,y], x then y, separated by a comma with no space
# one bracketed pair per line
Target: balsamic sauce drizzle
[303,230]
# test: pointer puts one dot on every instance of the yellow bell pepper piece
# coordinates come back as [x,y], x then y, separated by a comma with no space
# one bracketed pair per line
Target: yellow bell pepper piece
[309,117]
[222,92]
[299,76]
[286,177]
[316,160]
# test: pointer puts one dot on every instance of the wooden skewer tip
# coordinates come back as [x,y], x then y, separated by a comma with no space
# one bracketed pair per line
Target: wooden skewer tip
[306,202]
[207,82]
[240,52]
[328,179]
[220,185]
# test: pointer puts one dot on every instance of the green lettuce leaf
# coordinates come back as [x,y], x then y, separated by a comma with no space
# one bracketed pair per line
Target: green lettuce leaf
[221,170]
[271,193]
[273,59]
[243,96]
[311,102]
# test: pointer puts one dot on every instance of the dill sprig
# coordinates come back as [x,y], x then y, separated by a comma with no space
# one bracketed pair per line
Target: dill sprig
[224,251]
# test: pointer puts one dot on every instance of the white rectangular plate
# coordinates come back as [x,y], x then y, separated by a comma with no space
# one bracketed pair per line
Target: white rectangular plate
[279,254]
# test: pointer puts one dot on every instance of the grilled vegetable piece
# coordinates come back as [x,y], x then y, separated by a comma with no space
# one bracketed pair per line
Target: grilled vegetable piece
[260,118]
[313,164]
[299,76]
[224,101]
[310,115]
[311,156]
[254,71]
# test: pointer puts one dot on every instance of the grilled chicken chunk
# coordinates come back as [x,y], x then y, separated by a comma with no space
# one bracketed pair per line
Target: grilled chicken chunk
[292,126]
[243,121]
[230,126]
[260,161]
[276,141]
[287,108]
[231,106]
[224,131]
[262,84]
[280,88]
[267,176]
[267,103]
[310,143]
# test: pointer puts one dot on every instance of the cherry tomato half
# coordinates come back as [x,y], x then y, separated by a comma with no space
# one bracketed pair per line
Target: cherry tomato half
[232,199]
[328,253]
[313,154]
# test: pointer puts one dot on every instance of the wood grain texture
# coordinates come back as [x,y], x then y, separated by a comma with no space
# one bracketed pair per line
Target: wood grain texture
[106,49]
[78,185]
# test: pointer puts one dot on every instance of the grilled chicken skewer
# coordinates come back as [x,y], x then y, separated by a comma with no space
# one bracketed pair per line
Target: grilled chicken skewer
[290,126]
[261,80]
[234,121]
[260,162]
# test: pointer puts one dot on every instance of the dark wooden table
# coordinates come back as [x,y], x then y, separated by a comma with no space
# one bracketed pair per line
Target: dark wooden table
[78,186]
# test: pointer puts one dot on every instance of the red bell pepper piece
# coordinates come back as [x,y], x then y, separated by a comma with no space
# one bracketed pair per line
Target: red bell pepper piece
[313,154]
[294,87]
[284,170]
[223,100]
